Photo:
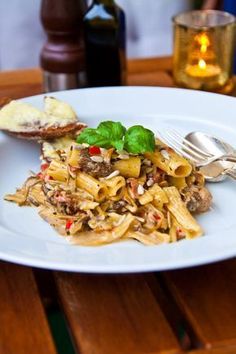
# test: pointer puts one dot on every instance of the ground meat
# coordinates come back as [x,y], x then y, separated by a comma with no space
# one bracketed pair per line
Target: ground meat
[118,206]
[95,169]
[199,179]
[197,199]
[69,207]
[157,175]
[65,203]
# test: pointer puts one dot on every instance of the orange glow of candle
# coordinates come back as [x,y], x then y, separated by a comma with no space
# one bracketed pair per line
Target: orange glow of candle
[202,64]
[203,41]
[203,50]
[202,69]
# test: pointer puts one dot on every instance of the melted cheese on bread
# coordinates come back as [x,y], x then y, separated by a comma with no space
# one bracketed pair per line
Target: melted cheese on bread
[18,116]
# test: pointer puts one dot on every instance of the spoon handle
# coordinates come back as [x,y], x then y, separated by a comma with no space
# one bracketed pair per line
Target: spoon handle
[231,173]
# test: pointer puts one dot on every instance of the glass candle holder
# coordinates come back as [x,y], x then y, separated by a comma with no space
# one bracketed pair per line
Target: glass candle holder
[204,50]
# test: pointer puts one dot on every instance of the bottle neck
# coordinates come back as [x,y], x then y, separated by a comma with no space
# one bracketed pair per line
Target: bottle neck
[105,2]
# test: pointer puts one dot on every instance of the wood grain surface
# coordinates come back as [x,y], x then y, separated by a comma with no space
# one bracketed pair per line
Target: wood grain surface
[147,72]
[114,314]
[224,350]
[207,297]
[23,325]
[20,83]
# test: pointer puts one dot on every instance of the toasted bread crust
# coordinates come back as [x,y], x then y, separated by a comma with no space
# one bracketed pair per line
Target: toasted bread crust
[49,133]
[4,101]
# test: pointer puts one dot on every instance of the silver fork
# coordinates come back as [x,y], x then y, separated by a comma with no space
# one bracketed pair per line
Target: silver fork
[188,150]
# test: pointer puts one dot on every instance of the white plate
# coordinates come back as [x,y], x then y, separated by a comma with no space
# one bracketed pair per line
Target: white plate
[26,239]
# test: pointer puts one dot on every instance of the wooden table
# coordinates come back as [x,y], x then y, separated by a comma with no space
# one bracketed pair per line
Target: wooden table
[183,311]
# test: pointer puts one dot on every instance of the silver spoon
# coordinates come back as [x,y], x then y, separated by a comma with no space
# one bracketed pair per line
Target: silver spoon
[218,170]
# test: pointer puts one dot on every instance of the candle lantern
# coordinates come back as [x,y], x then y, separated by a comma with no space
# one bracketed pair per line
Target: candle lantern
[203,50]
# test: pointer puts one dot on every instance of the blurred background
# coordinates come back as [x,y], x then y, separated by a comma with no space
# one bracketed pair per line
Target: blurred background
[149,29]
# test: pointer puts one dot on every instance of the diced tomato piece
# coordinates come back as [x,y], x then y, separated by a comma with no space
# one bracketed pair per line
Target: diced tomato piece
[44,177]
[157,217]
[44,166]
[94,150]
[180,232]
[48,178]
[40,175]
[69,224]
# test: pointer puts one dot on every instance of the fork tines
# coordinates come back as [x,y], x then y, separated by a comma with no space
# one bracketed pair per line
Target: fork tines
[185,148]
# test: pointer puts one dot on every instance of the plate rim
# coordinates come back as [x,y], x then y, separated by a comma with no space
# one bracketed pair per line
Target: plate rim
[108,268]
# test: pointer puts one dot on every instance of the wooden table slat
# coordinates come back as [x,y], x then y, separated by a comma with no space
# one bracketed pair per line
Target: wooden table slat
[24,327]
[114,314]
[207,297]
[158,78]
[224,350]
[147,65]
[20,83]
[147,72]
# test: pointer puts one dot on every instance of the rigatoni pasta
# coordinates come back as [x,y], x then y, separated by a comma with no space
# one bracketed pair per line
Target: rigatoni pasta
[129,167]
[170,162]
[58,171]
[93,186]
[96,195]
[116,187]
[177,208]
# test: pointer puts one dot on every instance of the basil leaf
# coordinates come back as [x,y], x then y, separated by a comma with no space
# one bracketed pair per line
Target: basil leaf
[107,134]
[118,145]
[112,130]
[92,137]
[136,140]
[139,140]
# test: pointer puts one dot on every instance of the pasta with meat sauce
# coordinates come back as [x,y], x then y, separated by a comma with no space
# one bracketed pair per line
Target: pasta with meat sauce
[95,195]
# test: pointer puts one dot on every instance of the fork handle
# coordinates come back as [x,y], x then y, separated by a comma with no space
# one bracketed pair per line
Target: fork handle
[230,158]
[231,173]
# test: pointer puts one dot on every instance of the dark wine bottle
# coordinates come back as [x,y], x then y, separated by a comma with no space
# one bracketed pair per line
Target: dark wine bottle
[104,33]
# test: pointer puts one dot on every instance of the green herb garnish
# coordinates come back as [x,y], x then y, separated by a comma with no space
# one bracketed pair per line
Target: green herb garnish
[107,134]
[136,140]
[139,140]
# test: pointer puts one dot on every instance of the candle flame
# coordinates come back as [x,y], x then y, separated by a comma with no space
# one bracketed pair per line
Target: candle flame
[203,41]
[202,64]
[203,48]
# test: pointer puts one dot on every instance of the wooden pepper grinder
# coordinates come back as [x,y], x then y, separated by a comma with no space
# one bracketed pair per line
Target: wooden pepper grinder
[62,56]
